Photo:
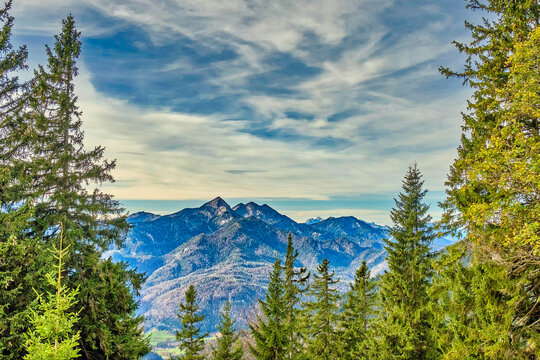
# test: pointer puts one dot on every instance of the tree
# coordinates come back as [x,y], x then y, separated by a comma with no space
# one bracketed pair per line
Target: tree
[228,346]
[492,188]
[269,335]
[52,336]
[191,340]
[322,314]
[404,316]
[93,221]
[295,285]
[24,264]
[471,318]
[13,106]
[357,313]
[23,261]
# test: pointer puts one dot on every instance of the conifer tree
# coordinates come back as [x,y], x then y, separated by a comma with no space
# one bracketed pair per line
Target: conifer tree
[492,188]
[61,173]
[322,315]
[190,337]
[52,336]
[228,346]
[357,312]
[295,281]
[269,335]
[404,315]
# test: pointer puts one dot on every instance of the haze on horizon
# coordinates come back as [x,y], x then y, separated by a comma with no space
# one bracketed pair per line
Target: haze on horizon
[314,108]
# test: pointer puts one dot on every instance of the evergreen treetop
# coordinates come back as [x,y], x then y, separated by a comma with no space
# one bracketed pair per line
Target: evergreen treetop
[228,346]
[404,318]
[358,311]
[190,337]
[295,284]
[52,336]
[322,315]
[269,332]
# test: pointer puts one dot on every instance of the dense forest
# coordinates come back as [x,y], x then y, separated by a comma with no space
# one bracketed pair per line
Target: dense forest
[477,299]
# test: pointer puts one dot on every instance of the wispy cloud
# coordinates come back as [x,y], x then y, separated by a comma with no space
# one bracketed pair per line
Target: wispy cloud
[248,98]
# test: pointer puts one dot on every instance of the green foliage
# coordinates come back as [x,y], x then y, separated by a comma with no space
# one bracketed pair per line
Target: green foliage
[472,317]
[23,266]
[61,171]
[269,334]
[295,281]
[52,336]
[191,341]
[228,346]
[358,312]
[322,315]
[404,319]
[493,187]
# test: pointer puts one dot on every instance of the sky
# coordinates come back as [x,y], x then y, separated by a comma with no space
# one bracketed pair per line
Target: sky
[315,107]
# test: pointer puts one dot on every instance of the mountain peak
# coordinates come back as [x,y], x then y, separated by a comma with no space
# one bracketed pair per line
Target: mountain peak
[313,220]
[217,203]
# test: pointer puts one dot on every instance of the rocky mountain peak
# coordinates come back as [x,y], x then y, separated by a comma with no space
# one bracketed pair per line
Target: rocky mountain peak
[217,203]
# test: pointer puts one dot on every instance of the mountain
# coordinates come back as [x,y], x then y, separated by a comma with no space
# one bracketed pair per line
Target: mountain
[313,220]
[227,253]
[154,236]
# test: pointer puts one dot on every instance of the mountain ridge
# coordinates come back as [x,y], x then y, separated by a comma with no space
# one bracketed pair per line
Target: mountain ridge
[227,253]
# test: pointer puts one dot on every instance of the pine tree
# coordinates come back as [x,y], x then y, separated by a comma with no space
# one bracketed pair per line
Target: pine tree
[492,189]
[52,336]
[228,346]
[404,315]
[322,315]
[269,335]
[61,173]
[295,282]
[357,312]
[190,337]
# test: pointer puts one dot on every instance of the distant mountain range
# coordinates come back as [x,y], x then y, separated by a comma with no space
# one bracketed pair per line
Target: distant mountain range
[227,253]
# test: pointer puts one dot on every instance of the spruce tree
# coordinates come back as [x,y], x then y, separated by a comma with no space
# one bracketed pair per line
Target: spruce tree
[492,189]
[190,337]
[269,333]
[322,315]
[61,173]
[52,336]
[404,314]
[358,311]
[295,281]
[228,346]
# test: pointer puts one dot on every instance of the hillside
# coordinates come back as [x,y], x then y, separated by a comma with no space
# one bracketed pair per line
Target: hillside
[227,253]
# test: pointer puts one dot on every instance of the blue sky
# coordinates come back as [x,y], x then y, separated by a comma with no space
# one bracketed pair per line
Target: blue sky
[315,107]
